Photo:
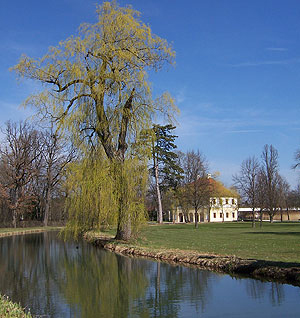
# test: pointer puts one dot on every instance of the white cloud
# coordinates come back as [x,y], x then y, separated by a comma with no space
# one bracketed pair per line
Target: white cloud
[181,96]
[270,62]
[245,131]
[279,49]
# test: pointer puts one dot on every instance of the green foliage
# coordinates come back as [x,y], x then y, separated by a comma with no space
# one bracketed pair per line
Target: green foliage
[164,155]
[96,81]
[96,186]
[97,90]
[8,309]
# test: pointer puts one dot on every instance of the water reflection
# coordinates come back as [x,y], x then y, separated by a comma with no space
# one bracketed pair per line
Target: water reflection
[274,291]
[59,279]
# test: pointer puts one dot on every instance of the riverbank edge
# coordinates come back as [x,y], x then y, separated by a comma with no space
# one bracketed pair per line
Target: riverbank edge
[9,309]
[31,231]
[287,273]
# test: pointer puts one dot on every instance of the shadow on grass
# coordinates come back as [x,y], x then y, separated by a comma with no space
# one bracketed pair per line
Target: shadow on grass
[275,233]
[265,263]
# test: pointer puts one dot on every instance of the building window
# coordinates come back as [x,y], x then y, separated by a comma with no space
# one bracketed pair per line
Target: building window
[227,215]
[233,214]
[215,215]
[221,215]
[226,201]
[214,201]
[233,201]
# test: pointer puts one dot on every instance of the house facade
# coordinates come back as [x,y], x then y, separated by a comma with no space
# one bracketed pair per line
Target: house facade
[223,207]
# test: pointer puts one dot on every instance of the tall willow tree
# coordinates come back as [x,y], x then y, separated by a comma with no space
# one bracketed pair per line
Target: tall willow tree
[94,193]
[96,86]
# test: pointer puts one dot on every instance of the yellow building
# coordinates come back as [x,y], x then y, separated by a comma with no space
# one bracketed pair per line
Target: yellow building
[223,206]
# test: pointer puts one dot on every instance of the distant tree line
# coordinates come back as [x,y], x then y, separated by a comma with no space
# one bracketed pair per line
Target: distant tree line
[34,186]
[32,171]
[263,188]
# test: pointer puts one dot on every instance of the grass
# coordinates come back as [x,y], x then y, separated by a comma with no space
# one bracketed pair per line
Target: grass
[12,230]
[8,309]
[272,242]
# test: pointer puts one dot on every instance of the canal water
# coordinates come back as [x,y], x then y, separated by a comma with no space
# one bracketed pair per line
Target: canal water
[61,279]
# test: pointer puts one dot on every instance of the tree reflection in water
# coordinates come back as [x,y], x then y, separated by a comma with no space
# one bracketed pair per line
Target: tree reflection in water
[112,286]
[257,290]
[68,279]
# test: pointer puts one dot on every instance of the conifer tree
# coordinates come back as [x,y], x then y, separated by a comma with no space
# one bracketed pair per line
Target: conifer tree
[166,170]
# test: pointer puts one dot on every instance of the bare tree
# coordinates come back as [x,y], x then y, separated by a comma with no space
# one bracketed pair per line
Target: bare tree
[294,199]
[20,161]
[196,182]
[283,194]
[297,159]
[270,179]
[56,155]
[247,183]
[261,195]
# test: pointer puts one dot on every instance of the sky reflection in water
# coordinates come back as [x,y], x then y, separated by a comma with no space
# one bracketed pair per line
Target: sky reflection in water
[67,279]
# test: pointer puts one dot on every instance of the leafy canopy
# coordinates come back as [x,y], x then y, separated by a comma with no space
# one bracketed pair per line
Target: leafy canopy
[97,89]
[96,83]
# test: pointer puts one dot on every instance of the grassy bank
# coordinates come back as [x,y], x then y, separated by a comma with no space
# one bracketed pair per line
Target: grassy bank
[272,242]
[15,231]
[8,309]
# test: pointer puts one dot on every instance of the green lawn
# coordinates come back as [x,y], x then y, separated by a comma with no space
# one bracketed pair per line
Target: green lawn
[274,242]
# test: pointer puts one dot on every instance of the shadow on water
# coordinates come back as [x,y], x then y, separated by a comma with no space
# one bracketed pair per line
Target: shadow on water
[67,279]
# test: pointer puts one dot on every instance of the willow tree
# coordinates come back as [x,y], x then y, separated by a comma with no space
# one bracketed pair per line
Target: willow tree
[96,85]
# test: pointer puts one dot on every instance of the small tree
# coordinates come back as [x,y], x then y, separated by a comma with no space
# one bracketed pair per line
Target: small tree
[270,179]
[283,193]
[261,195]
[57,154]
[247,183]
[196,182]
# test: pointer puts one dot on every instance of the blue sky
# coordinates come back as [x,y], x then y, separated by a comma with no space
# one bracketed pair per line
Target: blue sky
[236,79]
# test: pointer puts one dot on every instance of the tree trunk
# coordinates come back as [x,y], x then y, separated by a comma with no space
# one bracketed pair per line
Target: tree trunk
[124,222]
[124,219]
[159,212]
[281,216]
[124,230]
[14,218]
[261,218]
[288,214]
[47,207]
[196,218]
[253,217]
[13,200]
